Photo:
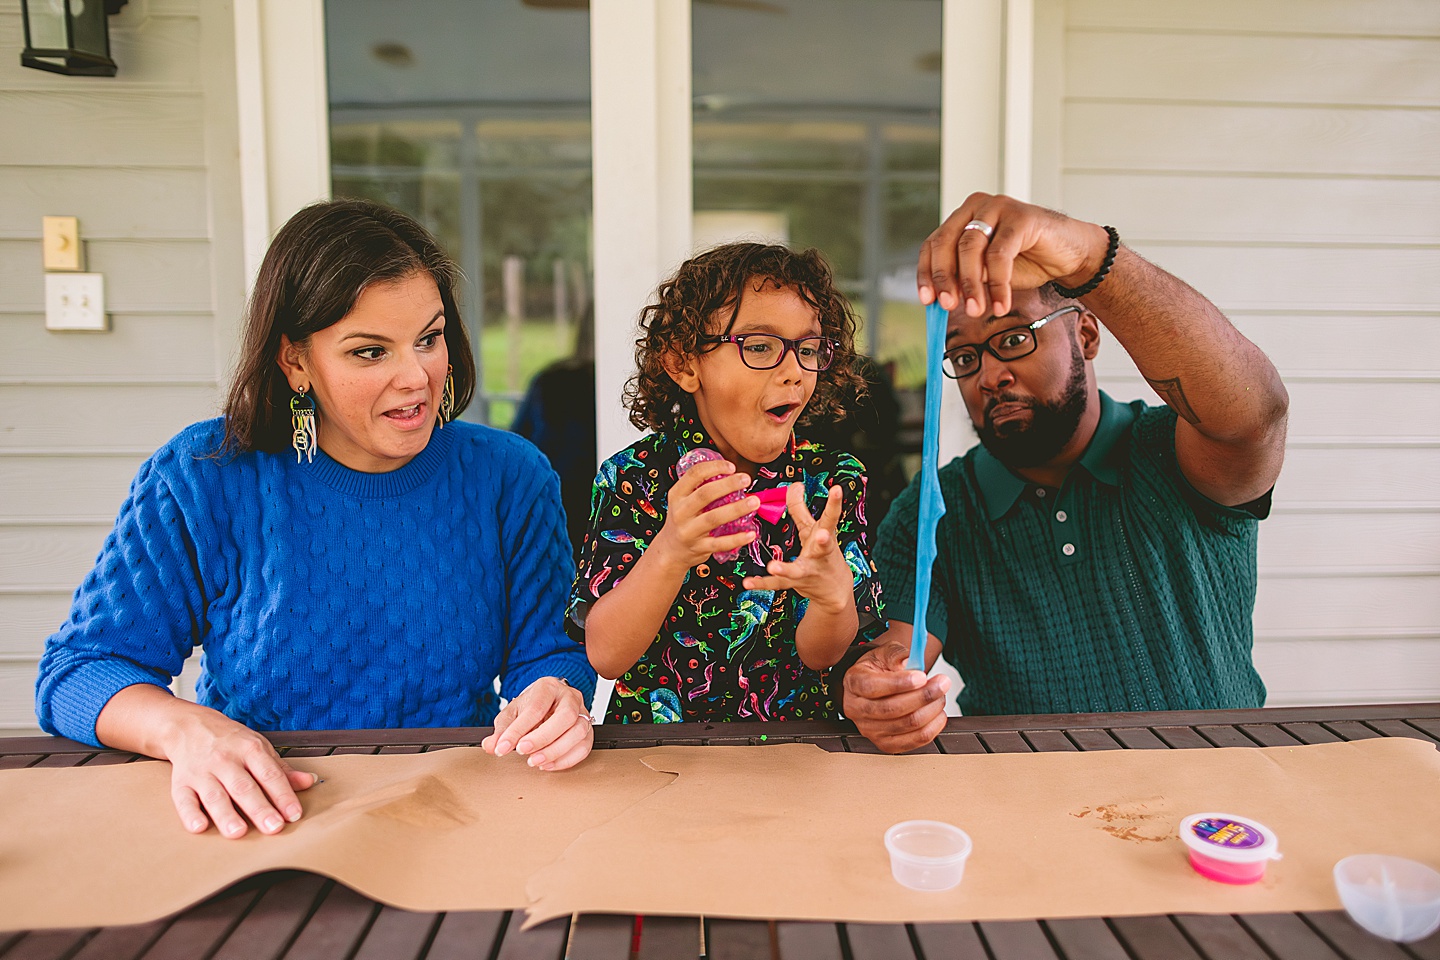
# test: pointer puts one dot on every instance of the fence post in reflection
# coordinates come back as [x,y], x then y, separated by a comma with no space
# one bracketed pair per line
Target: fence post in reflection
[562,304]
[512,279]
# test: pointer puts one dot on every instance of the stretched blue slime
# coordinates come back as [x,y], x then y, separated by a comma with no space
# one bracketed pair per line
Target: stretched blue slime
[932,505]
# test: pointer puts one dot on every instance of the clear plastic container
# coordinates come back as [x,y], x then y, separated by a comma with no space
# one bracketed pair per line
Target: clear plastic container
[1391,897]
[927,854]
[1228,848]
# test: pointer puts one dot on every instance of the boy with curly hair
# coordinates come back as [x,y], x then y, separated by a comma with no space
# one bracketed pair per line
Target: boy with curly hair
[696,622]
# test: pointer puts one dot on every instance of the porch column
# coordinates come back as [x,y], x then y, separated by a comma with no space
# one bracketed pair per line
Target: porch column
[640,128]
[640,123]
[986,107]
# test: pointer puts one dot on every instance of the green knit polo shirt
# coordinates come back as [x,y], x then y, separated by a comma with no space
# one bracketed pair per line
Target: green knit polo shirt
[1123,590]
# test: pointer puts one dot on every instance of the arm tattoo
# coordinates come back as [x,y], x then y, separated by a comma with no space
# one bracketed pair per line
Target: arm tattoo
[1172,393]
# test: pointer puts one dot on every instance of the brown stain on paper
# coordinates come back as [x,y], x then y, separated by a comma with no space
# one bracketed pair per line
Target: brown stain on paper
[423,802]
[1135,820]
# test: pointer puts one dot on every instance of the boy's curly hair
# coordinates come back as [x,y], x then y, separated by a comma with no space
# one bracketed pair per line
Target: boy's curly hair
[711,285]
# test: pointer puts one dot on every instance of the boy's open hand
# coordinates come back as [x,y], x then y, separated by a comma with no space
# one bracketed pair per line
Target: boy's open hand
[685,538]
[819,573]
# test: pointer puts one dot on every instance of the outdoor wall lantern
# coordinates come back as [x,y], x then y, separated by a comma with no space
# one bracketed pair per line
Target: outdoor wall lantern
[69,36]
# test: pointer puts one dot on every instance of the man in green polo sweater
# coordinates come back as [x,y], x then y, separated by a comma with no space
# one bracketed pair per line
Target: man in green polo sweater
[1094,556]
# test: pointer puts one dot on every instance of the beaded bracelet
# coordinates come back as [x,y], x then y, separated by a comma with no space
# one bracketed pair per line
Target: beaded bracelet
[1074,293]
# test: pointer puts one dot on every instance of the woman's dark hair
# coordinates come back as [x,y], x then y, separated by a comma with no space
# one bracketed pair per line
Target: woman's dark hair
[708,289]
[311,276]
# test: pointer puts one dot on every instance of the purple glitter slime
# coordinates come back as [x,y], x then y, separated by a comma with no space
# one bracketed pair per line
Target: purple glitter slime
[746,524]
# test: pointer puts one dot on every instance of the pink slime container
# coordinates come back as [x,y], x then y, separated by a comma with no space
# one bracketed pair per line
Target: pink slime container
[746,524]
[1228,848]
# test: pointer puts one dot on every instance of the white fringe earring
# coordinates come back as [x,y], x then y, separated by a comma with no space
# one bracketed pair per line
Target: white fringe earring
[447,398]
[302,419]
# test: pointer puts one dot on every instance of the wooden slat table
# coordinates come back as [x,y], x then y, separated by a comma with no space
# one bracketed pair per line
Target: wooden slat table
[299,916]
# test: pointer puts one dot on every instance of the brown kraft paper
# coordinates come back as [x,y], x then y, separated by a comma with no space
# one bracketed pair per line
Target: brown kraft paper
[783,831]
[454,829]
[792,831]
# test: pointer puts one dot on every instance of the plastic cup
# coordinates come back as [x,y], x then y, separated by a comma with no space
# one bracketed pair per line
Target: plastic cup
[1391,897]
[927,854]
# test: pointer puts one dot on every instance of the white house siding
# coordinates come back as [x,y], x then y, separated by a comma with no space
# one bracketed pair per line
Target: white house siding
[129,156]
[1284,158]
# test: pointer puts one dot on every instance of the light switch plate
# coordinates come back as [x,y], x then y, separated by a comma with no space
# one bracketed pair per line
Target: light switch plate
[75,301]
[60,241]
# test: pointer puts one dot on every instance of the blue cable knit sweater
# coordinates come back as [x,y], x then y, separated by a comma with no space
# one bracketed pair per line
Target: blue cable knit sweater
[325,598]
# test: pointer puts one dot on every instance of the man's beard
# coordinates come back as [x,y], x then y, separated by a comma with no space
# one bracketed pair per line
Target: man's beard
[1052,425]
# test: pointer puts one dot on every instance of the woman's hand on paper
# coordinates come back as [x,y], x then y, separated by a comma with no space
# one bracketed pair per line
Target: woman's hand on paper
[225,773]
[547,723]
[222,772]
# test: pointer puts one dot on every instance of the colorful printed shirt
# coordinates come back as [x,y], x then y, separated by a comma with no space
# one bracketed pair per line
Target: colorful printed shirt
[723,652]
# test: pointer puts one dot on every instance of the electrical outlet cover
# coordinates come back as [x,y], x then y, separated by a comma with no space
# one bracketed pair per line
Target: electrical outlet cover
[75,301]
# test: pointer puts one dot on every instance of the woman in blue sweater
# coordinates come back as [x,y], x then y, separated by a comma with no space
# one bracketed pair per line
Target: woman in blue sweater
[346,555]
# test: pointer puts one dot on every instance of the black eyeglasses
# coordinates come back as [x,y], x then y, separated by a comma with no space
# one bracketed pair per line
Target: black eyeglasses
[1011,344]
[765,351]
